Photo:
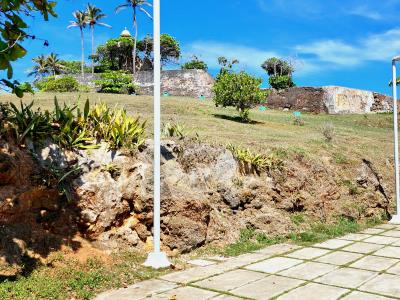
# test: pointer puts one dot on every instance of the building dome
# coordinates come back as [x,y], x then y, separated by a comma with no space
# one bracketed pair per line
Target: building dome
[126,33]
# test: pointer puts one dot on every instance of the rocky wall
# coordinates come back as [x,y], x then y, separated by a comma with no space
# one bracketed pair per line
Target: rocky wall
[330,99]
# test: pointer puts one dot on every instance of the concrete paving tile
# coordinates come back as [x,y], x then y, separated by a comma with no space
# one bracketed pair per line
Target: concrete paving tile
[138,291]
[230,280]
[193,274]
[333,244]
[355,237]
[184,293]
[241,261]
[308,270]
[339,258]
[274,264]
[218,258]
[385,226]
[314,291]
[384,284]
[267,288]
[308,253]
[201,262]
[381,240]
[226,297]
[392,233]
[278,249]
[388,251]
[364,296]
[346,277]
[395,269]
[397,244]
[361,247]
[373,231]
[374,263]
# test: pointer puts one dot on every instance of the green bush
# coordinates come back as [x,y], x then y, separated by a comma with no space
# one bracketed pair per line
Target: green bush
[116,82]
[60,85]
[195,64]
[280,82]
[73,128]
[239,90]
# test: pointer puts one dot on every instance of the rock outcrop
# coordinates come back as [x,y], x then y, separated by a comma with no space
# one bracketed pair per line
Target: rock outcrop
[330,99]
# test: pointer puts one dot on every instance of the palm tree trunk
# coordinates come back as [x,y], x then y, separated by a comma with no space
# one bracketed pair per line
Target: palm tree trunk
[134,42]
[83,54]
[92,29]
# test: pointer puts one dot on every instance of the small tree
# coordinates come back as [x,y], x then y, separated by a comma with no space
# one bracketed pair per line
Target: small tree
[195,64]
[226,64]
[239,90]
[280,73]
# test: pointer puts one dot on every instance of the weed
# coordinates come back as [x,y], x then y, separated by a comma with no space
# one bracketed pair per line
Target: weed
[174,130]
[297,218]
[328,131]
[341,159]
[353,189]
[237,182]
[298,121]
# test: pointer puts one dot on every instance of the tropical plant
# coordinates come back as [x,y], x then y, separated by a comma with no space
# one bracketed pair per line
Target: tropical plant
[251,162]
[94,15]
[226,64]
[280,82]
[40,68]
[53,64]
[174,130]
[116,54]
[116,82]
[195,64]
[13,32]
[135,5]
[239,90]
[80,22]
[60,85]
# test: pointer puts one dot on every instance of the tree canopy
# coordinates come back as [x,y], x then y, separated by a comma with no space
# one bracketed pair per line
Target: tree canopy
[13,30]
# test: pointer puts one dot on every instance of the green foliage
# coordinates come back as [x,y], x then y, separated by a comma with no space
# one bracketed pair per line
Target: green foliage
[13,32]
[239,90]
[72,67]
[328,131]
[116,82]
[278,67]
[174,130]
[226,64]
[170,50]
[255,162]
[280,82]
[116,127]
[72,128]
[58,84]
[195,64]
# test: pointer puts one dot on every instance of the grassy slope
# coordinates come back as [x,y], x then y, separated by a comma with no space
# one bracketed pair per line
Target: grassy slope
[357,137]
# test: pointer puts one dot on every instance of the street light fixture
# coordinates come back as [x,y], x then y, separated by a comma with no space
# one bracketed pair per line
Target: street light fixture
[396,218]
[157,259]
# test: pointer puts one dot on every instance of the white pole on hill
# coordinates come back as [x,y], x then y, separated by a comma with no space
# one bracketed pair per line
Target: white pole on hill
[157,259]
[396,218]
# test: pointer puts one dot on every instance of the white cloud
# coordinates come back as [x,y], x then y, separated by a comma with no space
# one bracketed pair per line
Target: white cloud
[375,47]
[366,12]
[209,51]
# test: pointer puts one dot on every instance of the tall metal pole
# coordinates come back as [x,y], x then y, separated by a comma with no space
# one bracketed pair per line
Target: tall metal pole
[157,259]
[396,218]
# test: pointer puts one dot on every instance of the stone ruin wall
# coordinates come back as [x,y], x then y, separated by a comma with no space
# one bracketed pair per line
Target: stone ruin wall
[189,83]
[330,99]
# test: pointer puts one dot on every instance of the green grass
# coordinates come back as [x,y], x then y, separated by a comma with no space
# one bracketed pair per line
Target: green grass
[67,279]
[250,240]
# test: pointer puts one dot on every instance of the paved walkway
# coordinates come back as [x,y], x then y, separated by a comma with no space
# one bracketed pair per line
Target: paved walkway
[362,266]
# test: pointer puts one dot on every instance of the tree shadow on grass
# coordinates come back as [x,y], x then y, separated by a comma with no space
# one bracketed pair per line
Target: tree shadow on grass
[236,119]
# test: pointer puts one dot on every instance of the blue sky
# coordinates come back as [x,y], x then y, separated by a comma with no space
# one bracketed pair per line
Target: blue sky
[347,43]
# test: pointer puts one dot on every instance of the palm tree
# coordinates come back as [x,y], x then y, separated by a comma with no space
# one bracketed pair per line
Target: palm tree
[54,64]
[136,5]
[40,69]
[94,15]
[80,22]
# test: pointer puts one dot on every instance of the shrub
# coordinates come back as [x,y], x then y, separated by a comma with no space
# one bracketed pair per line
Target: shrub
[61,84]
[280,82]
[174,129]
[116,82]
[328,131]
[255,162]
[72,128]
[239,90]
[195,64]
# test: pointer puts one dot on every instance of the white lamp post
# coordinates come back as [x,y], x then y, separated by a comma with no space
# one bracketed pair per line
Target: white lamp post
[396,218]
[157,259]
